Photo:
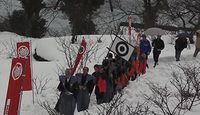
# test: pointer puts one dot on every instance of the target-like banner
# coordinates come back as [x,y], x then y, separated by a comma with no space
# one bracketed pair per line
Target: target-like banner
[122,48]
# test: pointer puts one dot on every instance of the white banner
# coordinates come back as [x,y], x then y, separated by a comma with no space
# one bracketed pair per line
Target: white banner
[122,48]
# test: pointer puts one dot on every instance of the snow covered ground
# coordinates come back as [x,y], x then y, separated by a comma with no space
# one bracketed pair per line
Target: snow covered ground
[49,49]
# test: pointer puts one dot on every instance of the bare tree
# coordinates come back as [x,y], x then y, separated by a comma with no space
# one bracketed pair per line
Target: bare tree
[164,100]
[40,83]
[46,106]
[188,84]
[120,106]
[9,48]
[67,49]
[8,6]
[186,11]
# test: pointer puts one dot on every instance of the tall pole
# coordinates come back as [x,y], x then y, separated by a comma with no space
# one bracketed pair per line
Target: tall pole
[31,60]
[21,85]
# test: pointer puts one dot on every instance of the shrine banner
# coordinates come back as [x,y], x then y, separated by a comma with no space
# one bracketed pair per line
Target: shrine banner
[14,87]
[23,51]
[80,53]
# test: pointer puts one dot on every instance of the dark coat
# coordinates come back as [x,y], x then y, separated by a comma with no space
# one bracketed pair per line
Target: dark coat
[180,44]
[145,46]
[158,44]
[100,88]
[66,103]
[86,85]
[109,85]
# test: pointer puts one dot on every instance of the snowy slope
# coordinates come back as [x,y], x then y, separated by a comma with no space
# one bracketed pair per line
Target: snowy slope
[48,48]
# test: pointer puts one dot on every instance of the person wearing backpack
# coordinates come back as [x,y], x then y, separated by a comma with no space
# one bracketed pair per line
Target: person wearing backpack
[158,45]
[180,44]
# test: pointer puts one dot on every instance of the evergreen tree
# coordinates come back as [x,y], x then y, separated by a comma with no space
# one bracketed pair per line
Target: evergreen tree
[28,22]
[151,9]
[17,22]
[80,14]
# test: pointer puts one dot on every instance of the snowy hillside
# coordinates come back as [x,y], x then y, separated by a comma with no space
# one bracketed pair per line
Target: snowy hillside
[50,49]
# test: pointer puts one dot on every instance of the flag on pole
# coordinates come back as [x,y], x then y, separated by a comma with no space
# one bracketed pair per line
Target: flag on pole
[135,62]
[137,52]
[122,48]
[14,87]
[23,51]
[80,53]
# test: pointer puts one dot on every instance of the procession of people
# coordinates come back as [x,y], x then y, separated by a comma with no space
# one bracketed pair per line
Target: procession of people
[112,75]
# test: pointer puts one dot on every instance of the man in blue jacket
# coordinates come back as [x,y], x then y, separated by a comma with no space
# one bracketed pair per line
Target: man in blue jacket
[145,47]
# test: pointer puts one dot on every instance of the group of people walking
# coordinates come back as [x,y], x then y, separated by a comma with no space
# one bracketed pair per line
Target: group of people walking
[183,42]
[145,48]
[111,76]
[158,45]
[75,90]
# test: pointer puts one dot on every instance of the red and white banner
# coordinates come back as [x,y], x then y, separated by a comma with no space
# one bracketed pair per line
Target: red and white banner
[14,87]
[81,51]
[23,51]
[137,51]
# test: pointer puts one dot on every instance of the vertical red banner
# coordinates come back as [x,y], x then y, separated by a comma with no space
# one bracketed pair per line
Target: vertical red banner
[129,27]
[79,55]
[137,51]
[23,51]
[14,87]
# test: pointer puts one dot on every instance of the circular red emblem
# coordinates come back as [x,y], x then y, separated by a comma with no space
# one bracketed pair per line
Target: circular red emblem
[81,50]
[23,51]
[17,71]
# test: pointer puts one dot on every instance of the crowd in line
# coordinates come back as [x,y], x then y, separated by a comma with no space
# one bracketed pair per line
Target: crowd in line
[111,76]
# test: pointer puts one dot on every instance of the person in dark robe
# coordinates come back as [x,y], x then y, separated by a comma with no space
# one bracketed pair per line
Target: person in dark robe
[67,101]
[100,84]
[86,84]
[108,75]
[96,74]
[96,71]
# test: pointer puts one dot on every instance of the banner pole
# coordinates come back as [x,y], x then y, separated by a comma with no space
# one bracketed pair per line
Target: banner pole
[21,92]
[31,71]
[21,87]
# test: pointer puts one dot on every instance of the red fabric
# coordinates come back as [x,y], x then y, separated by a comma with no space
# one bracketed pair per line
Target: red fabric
[119,84]
[101,83]
[14,87]
[23,51]
[137,52]
[133,69]
[123,80]
[142,67]
[79,55]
